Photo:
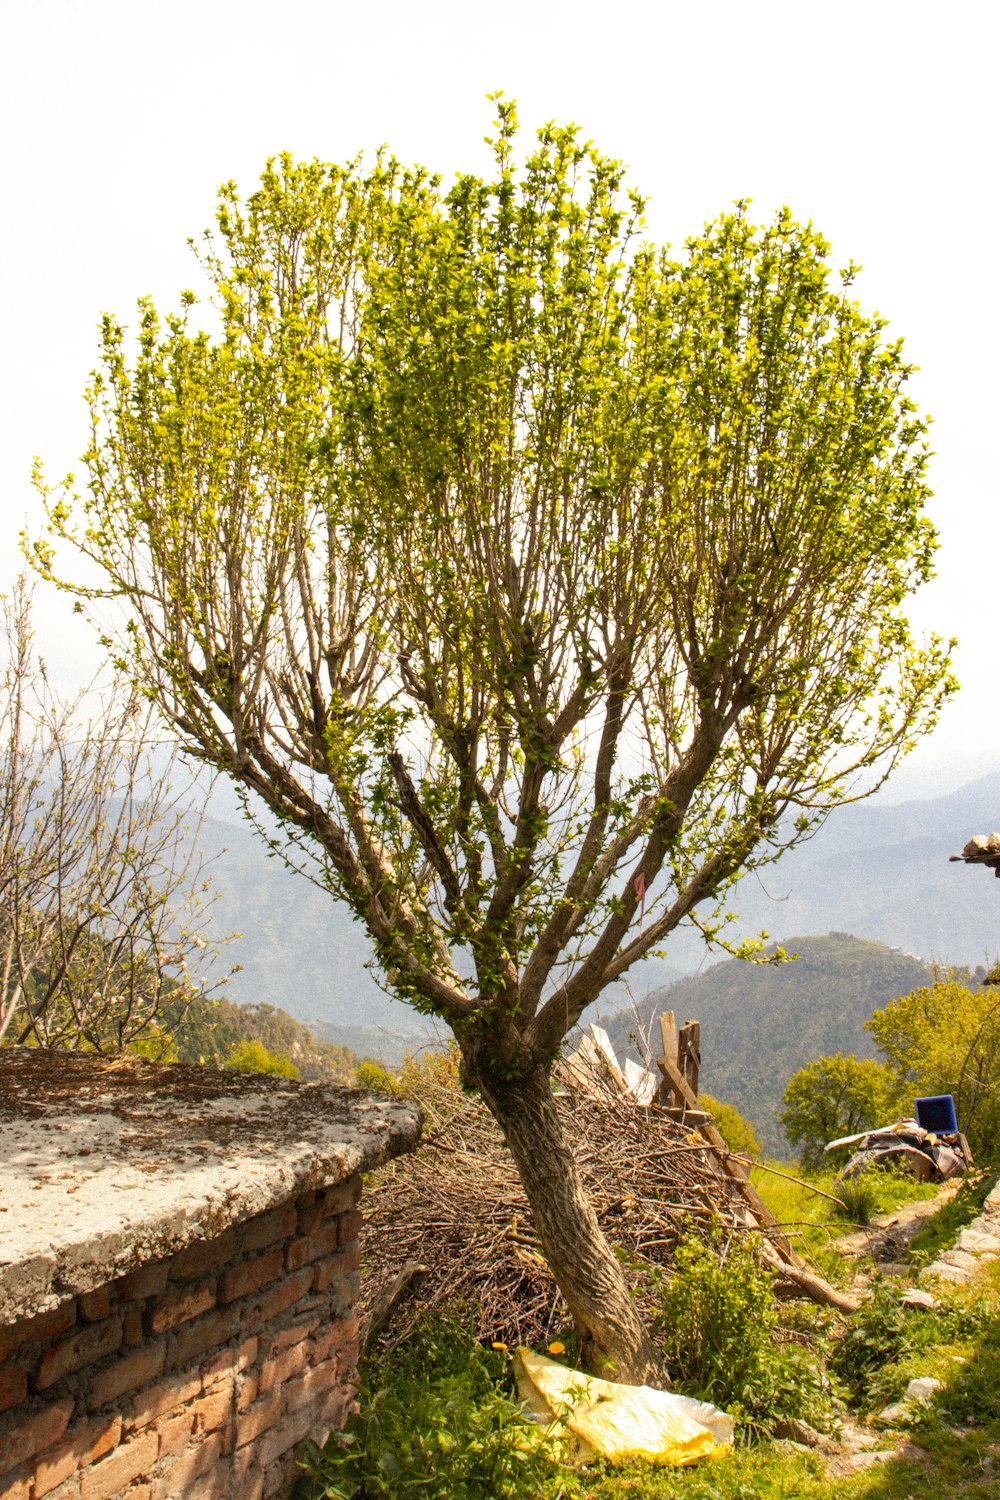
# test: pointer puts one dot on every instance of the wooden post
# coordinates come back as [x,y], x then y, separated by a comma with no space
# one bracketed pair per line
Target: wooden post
[689,1053]
[680,1086]
[668,1038]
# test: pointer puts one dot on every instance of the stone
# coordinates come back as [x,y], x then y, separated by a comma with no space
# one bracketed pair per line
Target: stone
[923,1389]
[916,1297]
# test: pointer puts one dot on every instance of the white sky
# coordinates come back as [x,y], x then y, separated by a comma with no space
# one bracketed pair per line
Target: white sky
[878,121]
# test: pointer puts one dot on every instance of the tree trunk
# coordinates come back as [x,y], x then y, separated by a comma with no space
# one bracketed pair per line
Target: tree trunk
[614,1343]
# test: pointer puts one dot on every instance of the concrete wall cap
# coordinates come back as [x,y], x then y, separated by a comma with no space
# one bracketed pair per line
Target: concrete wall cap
[106,1165]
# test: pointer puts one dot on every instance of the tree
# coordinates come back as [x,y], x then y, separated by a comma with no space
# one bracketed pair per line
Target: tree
[102,898]
[835,1096]
[736,1130]
[539,581]
[944,1038]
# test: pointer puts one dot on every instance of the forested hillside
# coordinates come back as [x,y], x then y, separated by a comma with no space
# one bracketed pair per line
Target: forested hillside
[209,1030]
[760,1022]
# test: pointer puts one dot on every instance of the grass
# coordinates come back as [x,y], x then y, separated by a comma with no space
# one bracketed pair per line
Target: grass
[440,1418]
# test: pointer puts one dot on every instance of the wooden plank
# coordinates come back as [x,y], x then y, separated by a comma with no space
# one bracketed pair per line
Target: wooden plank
[689,1053]
[731,1168]
[602,1042]
[668,1041]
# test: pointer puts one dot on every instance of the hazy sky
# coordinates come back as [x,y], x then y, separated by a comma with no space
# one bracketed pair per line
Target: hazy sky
[119,119]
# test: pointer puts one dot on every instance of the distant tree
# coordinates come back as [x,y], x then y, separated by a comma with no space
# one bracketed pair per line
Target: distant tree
[539,581]
[736,1130]
[945,1039]
[835,1096]
[103,897]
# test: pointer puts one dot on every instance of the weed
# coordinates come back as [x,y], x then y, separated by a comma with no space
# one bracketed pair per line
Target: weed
[438,1421]
[718,1327]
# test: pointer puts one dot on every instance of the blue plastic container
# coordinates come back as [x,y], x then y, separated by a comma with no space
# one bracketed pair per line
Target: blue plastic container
[937,1113]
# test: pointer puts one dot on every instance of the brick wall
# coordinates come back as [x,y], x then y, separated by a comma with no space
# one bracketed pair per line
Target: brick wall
[193,1376]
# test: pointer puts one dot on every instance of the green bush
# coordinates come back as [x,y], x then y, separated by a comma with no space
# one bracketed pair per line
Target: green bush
[253,1057]
[439,1420]
[718,1327]
[860,1196]
[736,1130]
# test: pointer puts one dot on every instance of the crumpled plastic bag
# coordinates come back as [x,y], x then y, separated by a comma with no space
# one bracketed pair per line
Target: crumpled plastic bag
[599,1418]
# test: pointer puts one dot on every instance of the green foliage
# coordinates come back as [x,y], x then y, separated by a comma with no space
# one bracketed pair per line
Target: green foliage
[438,1421]
[253,1057]
[875,1355]
[717,1325]
[944,1038]
[861,1197]
[835,1096]
[737,1131]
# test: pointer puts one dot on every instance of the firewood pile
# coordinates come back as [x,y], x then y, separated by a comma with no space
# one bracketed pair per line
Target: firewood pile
[449,1225]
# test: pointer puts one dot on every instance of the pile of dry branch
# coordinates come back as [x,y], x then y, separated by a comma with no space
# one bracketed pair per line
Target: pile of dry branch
[455,1207]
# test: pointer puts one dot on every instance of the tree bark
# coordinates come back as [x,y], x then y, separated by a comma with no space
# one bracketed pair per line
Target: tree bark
[613,1341]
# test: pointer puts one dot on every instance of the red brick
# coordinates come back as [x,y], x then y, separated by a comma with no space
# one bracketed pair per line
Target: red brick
[251,1486]
[14,1487]
[86,1446]
[341,1197]
[95,1305]
[55,1465]
[99,1438]
[128,1374]
[267,1229]
[228,1362]
[317,1382]
[336,1336]
[215,1409]
[145,1281]
[283,1295]
[309,1215]
[34,1434]
[213,1485]
[290,1431]
[176,1432]
[47,1325]
[349,1226]
[258,1418]
[132,1331]
[284,1366]
[180,1306]
[294,1335]
[312,1246]
[207,1333]
[138,1492]
[240,1281]
[68,1490]
[164,1397]
[335,1267]
[249,1391]
[176,1481]
[106,1480]
[279,1479]
[13,1386]
[84,1348]
[204,1255]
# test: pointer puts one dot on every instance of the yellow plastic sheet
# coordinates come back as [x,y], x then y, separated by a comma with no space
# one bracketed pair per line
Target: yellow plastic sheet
[601,1418]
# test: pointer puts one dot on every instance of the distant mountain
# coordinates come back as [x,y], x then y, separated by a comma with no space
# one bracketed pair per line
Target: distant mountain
[878,869]
[760,1022]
